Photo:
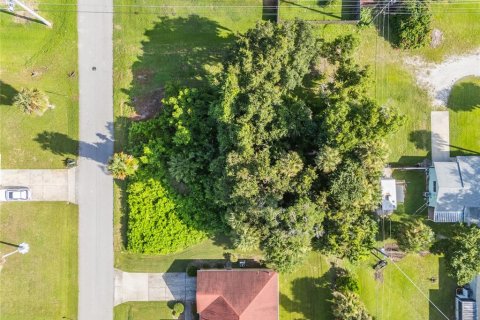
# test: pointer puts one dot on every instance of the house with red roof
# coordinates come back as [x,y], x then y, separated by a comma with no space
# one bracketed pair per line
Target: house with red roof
[238,294]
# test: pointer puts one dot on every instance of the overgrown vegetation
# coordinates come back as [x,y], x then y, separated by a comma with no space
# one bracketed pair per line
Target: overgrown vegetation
[347,306]
[415,236]
[282,144]
[463,254]
[411,24]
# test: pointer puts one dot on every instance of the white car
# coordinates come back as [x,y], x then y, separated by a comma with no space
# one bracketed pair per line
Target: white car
[15,194]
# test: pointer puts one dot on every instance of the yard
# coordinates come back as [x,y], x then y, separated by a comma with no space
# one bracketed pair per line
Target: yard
[464,106]
[314,10]
[41,284]
[143,311]
[34,56]
[183,44]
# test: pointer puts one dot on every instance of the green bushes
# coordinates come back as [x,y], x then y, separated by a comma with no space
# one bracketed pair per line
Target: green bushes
[415,236]
[192,271]
[122,165]
[158,222]
[411,25]
[178,309]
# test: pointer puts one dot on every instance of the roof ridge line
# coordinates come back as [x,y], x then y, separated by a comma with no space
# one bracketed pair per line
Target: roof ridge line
[258,293]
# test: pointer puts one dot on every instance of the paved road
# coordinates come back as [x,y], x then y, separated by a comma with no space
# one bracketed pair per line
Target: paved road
[94,186]
[133,286]
[45,184]
[440,128]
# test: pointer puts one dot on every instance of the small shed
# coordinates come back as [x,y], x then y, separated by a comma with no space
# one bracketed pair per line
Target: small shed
[389,195]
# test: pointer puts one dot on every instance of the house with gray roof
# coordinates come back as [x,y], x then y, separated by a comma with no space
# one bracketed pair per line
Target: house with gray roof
[454,190]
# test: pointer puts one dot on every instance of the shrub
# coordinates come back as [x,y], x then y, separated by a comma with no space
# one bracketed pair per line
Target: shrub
[157,222]
[122,165]
[345,281]
[347,306]
[412,26]
[192,271]
[32,101]
[205,266]
[415,236]
[178,309]
[366,17]
[233,257]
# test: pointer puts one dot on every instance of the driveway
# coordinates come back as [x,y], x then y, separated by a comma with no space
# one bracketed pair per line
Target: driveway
[94,185]
[440,128]
[45,185]
[153,286]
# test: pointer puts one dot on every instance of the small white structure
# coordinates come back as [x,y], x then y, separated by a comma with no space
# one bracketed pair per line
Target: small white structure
[389,195]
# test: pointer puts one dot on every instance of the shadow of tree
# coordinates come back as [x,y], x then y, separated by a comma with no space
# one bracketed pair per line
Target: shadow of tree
[270,10]
[61,144]
[320,4]
[465,96]
[7,92]
[310,296]
[178,50]
[422,139]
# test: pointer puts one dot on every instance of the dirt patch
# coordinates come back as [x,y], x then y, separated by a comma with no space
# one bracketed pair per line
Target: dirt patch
[438,79]
[437,38]
[394,252]
[148,106]
[143,76]
[379,275]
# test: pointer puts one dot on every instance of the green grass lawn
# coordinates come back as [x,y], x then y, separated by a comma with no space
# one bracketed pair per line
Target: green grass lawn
[315,10]
[459,24]
[464,106]
[34,56]
[43,283]
[143,311]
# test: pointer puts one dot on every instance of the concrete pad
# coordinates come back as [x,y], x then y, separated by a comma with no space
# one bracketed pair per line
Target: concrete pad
[45,184]
[440,128]
[153,287]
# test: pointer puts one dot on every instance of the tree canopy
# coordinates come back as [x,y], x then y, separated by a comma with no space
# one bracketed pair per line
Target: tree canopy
[283,147]
[463,254]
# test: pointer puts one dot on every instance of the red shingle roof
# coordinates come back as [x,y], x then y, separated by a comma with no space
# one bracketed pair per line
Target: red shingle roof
[237,294]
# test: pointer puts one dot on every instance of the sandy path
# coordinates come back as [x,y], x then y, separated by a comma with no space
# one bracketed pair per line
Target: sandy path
[438,79]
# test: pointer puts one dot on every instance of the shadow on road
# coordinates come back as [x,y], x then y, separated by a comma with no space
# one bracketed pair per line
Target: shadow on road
[61,144]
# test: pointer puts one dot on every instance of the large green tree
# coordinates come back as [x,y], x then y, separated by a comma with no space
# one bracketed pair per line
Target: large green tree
[281,149]
[347,306]
[463,254]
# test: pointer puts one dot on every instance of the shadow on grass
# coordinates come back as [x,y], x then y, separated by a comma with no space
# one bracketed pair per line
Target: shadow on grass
[61,144]
[444,296]
[7,92]
[326,13]
[270,10]
[177,50]
[422,139]
[465,96]
[310,297]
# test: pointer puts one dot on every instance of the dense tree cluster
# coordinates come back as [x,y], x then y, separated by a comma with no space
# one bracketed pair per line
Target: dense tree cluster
[463,254]
[347,306]
[283,147]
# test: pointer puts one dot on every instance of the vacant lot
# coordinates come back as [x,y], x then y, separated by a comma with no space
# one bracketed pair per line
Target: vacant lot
[464,106]
[34,56]
[183,45]
[43,283]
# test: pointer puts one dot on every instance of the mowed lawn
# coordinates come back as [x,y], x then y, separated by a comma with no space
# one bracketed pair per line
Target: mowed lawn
[464,106]
[315,10]
[41,284]
[143,311]
[34,56]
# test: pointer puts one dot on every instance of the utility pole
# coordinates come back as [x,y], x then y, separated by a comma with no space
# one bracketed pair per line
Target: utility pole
[11,7]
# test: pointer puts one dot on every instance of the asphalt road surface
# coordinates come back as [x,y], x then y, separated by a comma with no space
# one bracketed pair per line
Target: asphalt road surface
[94,185]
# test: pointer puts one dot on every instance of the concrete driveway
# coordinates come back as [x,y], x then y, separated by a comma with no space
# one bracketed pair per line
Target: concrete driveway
[45,184]
[154,286]
[440,128]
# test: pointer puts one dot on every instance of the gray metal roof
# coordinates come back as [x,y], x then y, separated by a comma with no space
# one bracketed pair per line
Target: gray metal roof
[458,184]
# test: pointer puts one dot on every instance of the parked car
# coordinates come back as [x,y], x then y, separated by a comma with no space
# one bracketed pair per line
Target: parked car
[15,194]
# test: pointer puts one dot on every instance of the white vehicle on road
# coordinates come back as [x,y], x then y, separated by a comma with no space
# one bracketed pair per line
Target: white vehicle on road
[15,194]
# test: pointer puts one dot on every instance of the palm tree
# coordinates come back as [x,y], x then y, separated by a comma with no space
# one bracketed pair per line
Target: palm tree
[122,165]
[32,101]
